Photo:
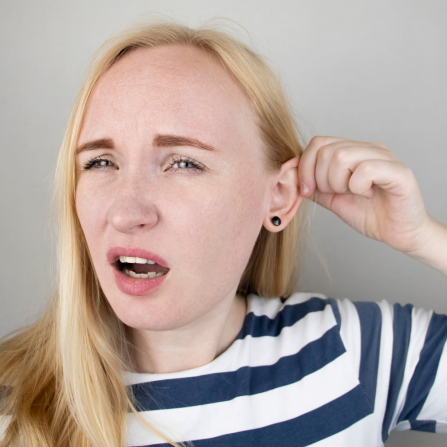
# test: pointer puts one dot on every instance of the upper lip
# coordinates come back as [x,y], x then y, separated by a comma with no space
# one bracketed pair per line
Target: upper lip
[115,252]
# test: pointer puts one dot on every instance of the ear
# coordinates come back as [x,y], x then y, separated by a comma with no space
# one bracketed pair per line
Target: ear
[285,197]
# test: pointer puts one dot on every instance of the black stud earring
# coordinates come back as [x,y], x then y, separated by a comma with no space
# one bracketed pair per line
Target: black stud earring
[276,221]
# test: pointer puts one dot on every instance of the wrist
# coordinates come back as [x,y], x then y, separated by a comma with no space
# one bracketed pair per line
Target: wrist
[434,251]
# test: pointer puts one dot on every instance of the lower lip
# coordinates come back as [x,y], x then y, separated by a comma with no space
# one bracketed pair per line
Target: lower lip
[137,286]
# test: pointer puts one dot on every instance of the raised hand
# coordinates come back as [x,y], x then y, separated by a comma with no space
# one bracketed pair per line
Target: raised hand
[369,188]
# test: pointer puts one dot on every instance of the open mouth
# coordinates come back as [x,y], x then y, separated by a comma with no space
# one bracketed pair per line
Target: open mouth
[139,270]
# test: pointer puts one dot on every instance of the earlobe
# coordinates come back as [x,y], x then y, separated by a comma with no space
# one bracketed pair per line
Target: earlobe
[285,197]
[276,221]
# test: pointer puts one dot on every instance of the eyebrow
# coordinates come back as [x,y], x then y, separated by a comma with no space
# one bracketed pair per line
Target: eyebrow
[173,140]
[159,141]
[103,143]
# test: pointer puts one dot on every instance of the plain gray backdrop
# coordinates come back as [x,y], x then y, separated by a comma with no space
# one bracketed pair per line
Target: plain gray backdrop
[363,70]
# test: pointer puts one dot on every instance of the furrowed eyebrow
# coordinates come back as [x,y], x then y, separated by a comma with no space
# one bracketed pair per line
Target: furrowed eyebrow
[159,141]
[104,143]
[173,140]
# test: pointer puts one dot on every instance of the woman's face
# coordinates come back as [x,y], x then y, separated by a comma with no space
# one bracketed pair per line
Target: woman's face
[204,223]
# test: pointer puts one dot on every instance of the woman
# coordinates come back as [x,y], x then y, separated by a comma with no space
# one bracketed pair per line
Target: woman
[180,185]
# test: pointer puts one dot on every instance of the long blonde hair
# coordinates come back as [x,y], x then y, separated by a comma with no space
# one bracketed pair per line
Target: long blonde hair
[61,376]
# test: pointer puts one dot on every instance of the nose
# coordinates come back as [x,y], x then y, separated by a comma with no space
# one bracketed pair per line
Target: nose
[133,208]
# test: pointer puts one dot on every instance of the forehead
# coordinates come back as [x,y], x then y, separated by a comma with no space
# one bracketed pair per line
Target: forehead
[177,88]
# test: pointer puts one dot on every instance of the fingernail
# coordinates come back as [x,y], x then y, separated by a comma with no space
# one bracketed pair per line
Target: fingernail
[304,189]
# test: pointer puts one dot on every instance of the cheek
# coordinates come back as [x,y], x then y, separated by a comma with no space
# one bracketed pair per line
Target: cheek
[229,223]
[91,210]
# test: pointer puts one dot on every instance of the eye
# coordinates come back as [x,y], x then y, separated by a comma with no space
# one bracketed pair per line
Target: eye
[97,163]
[181,164]
[177,164]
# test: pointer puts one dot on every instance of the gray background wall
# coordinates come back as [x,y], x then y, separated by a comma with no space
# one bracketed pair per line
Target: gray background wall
[364,70]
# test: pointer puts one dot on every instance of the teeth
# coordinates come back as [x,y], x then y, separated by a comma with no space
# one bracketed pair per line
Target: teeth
[135,260]
[142,275]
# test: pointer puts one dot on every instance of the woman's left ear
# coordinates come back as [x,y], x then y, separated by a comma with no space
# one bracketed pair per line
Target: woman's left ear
[285,197]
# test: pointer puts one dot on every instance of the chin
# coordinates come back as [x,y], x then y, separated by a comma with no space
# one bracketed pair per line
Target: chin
[150,314]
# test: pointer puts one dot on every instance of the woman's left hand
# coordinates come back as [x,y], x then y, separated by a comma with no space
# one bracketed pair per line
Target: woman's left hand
[369,188]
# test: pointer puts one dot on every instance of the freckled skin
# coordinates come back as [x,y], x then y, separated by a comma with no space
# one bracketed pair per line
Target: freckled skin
[203,224]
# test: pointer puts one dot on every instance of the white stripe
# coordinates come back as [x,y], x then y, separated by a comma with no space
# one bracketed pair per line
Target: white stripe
[403,425]
[269,307]
[247,412]
[350,331]
[255,351]
[420,320]
[264,306]
[385,358]
[435,407]
[259,351]
[441,427]
[362,432]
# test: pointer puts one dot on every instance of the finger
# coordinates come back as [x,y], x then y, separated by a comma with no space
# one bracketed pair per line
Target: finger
[315,160]
[345,160]
[324,157]
[308,161]
[390,176]
[346,153]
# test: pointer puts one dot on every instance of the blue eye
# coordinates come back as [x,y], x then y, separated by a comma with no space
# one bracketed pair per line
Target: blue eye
[96,163]
[183,162]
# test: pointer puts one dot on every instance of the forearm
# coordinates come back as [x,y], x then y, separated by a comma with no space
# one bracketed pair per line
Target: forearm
[434,252]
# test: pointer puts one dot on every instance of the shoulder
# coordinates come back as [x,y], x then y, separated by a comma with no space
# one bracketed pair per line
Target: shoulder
[303,311]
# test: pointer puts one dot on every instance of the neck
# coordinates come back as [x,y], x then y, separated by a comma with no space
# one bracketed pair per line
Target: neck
[191,346]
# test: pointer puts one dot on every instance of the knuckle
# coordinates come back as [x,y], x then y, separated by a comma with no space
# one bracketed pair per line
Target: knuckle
[319,140]
[366,167]
[324,154]
[340,155]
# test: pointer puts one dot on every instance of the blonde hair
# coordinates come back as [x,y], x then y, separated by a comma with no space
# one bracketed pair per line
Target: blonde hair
[62,375]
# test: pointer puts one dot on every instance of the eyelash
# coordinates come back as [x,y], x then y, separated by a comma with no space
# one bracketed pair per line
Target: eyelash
[93,163]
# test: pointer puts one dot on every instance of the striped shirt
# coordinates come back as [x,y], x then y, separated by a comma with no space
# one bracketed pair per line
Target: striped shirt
[307,370]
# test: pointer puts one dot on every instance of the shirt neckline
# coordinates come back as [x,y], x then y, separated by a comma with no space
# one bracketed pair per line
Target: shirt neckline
[132,378]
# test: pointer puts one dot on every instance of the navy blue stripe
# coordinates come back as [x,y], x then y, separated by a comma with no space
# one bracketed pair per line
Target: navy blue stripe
[401,341]
[428,426]
[371,327]
[260,326]
[304,430]
[336,311]
[425,372]
[220,387]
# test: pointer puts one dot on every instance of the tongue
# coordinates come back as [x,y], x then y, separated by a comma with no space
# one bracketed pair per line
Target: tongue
[146,268]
